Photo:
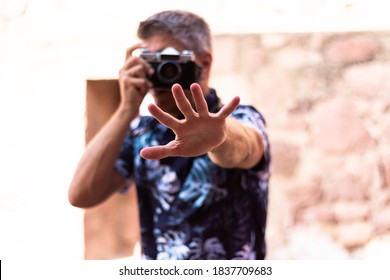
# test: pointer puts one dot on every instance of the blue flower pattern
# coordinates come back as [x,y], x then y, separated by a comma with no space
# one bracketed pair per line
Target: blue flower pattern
[191,208]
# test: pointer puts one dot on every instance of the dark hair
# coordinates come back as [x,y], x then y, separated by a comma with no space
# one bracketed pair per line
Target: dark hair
[186,27]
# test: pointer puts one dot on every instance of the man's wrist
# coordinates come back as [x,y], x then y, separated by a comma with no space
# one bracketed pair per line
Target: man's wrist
[127,111]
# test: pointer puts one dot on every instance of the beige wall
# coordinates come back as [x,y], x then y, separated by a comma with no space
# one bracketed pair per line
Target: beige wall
[326,99]
[49,48]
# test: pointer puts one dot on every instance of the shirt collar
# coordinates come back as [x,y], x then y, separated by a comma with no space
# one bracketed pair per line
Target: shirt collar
[213,101]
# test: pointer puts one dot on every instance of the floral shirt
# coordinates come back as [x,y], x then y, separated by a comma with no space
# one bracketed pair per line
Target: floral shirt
[190,208]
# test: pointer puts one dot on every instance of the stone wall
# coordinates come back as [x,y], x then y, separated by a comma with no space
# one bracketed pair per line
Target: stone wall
[326,98]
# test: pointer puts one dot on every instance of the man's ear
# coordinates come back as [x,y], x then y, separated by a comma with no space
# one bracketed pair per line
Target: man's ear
[205,61]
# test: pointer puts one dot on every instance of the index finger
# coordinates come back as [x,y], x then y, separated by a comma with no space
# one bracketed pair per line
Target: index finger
[129,51]
[131,62]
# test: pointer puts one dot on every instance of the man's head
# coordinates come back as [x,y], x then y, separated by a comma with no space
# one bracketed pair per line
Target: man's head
[189,29]
[181,30]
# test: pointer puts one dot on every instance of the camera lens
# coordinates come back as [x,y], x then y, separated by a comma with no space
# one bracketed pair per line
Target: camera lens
[169,72]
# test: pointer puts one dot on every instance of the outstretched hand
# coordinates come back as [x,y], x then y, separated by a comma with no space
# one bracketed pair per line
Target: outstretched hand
[199,132]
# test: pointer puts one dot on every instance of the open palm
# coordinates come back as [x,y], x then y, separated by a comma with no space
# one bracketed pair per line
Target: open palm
[199,132]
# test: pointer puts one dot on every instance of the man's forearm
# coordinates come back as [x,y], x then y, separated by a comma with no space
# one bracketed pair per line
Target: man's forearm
[242,148]
[91,183]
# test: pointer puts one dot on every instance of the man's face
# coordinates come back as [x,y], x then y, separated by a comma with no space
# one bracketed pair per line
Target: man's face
[163,97]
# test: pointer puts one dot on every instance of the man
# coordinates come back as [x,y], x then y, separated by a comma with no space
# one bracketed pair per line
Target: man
[201,169]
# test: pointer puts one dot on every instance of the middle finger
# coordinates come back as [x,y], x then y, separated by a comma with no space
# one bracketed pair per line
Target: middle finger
[136,61]
[182,102]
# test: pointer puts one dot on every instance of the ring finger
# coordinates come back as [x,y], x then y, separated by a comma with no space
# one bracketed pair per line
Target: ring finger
[137,71]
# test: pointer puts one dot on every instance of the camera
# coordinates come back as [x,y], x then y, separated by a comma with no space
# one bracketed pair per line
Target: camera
[171,66]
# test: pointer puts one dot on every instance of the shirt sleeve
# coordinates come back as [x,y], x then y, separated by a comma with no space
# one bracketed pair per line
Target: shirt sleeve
[124,163]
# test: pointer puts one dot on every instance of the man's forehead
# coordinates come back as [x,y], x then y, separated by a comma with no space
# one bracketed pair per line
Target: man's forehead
[160,42]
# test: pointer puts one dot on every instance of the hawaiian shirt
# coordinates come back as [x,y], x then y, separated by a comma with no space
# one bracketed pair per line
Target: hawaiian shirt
[190,208]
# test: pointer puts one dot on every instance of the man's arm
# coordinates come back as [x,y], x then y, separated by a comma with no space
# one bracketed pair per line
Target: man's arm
[243,146]
[95,178]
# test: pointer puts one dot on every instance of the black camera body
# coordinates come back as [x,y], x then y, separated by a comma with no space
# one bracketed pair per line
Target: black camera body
[171,66]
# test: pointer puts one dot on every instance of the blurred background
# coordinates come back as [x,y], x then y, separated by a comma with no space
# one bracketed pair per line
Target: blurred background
[319,71]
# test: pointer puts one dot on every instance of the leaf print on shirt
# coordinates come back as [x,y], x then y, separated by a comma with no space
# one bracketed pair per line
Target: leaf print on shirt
[171,246]
[210,249]
[201,186]
[167,184]
[247,251]
[214,249]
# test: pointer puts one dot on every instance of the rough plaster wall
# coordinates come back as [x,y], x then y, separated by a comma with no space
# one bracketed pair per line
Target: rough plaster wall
[326,98]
